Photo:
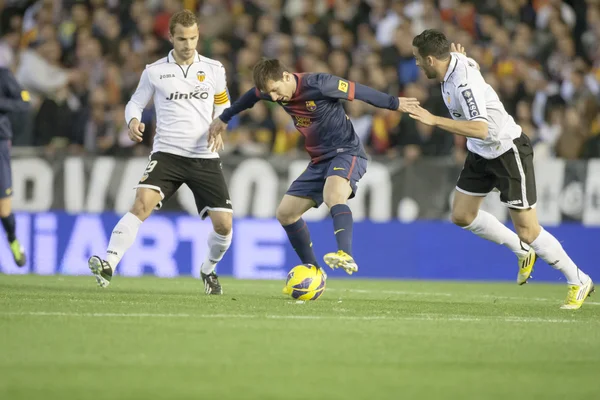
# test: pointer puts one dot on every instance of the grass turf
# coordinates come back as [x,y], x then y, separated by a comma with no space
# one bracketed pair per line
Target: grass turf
[148,338]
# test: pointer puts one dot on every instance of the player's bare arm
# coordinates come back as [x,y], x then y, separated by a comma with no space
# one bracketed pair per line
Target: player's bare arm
[216,132]
[218,127]
[473,129]
[457,48]
[405,104]
[136,130]
[215,140]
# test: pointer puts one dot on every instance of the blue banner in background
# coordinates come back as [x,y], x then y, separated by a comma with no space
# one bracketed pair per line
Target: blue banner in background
[170,245]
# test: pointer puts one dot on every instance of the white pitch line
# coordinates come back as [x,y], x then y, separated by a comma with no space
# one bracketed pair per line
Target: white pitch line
[416,317]
[441,294]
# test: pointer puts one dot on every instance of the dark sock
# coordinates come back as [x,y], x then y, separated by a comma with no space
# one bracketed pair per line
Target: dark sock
[9,225]
[300,239]
[342,226]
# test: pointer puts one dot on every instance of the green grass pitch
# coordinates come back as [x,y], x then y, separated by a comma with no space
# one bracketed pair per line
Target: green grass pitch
[147,338]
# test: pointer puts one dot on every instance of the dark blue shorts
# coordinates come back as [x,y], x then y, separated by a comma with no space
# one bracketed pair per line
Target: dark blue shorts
[312,181]
[5,171]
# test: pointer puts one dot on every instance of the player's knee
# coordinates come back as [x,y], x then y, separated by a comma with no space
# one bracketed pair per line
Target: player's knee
[5,207]
[141,209]
[223,228]
[333,199]
[285,216]
[528,233]
[462,219]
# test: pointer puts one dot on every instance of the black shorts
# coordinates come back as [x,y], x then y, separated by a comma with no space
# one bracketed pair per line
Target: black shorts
[511,173]
[166,172]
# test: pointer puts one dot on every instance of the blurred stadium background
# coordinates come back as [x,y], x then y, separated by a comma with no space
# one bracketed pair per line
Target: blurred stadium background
[74,166]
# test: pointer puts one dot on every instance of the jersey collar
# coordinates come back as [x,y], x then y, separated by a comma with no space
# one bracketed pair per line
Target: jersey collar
[298,78]
[451,67]
[171,58]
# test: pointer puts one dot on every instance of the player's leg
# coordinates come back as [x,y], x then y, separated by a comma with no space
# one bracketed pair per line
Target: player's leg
[343,174]
[549,249]
[303,194]
[206,181]
[518,192]
[466,213]
[160,180]
[219,241]
[289,214]
[6,215]
[9,225]
[476,180]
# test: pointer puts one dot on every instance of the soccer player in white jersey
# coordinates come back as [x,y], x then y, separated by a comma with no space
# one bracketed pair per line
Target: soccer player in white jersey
[500,156]
[189,91]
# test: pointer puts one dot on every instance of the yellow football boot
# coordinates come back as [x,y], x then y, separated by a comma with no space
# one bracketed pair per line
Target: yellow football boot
[577,295]
[526,266]
[18,253]
[341,259]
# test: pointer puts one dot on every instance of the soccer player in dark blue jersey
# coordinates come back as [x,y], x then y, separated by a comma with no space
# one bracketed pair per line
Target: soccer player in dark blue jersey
[338,159]
[12,99]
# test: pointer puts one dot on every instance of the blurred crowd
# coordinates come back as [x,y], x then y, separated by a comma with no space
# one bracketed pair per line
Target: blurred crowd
[81,60]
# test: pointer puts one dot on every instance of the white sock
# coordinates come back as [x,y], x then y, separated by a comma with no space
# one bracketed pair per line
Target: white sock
[217,246]
[550,250]
[122,238]
[487,226]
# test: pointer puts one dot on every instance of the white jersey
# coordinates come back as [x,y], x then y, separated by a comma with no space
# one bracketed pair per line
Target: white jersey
[187,98]
[469,98]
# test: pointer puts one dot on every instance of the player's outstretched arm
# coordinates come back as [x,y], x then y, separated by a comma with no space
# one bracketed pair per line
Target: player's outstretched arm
[475,129]
[337,88]
[219,124]
[384,100]
[135,107]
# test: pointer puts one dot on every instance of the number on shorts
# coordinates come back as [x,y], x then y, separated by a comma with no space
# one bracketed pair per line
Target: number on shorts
[150,167]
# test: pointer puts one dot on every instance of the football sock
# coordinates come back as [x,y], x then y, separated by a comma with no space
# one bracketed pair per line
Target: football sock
[299,237]
[122,238]
[9,225]
[486,226]
[342,227]
[550,250]
[217,246]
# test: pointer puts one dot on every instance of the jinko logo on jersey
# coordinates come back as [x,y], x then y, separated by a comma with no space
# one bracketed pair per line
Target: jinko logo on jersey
[188,96]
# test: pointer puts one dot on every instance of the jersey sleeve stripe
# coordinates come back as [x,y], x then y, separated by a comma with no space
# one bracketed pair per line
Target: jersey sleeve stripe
[351,91]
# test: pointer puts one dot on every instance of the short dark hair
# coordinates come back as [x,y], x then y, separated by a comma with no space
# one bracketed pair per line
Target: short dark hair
[185,18]
[433,43]
[267,69]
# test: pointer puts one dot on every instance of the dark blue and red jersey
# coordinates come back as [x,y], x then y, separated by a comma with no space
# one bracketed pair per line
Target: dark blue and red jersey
[318,113]
[12,99]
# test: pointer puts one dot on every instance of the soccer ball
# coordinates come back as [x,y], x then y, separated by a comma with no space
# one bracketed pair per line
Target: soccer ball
[305,282]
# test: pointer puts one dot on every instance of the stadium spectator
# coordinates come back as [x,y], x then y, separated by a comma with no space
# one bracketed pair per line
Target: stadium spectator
[541,56]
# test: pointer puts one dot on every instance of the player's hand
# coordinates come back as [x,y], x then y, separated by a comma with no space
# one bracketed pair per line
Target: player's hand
[217,128]
[422,115]
[217,144]
[457,48]
[405,103]
[136,130]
